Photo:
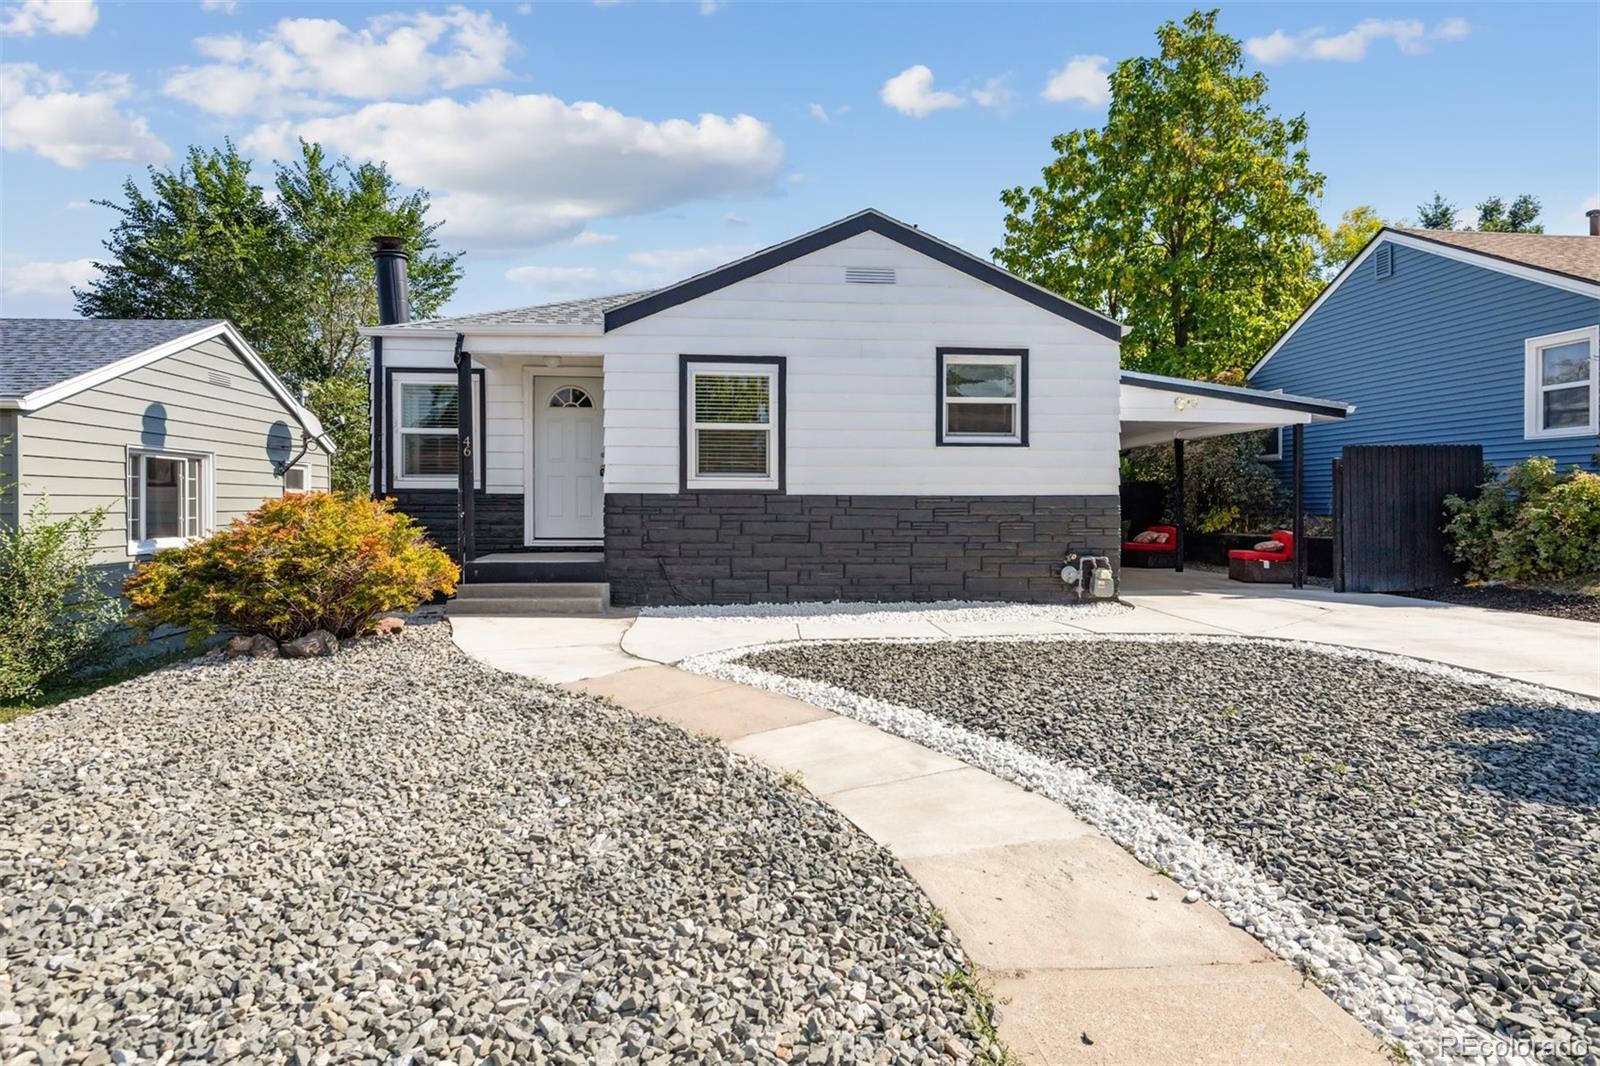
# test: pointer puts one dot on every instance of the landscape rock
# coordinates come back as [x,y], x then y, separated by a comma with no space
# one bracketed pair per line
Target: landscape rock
[318,642]
[400,855]
[389,627]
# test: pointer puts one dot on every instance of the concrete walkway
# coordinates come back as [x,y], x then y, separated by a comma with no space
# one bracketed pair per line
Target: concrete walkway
[1057,916]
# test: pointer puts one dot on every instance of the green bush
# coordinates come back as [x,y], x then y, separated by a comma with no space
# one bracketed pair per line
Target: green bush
[316,561]
[56,615]
[1226,487]
[1533,524]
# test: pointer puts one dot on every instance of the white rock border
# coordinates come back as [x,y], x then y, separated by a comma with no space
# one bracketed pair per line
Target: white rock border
[1379,990]
[932,610]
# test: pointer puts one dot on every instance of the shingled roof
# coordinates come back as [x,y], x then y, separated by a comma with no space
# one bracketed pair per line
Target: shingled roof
[36,353]
[589,311]
[1576,257]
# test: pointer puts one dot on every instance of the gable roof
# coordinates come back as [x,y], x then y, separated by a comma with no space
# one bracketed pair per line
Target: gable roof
[1574,257]
[46,360]
[602,314]
[36,353]
[868,221]
[1563,262]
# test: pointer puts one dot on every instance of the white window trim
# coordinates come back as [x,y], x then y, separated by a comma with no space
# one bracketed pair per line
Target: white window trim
[947,437]
[1534,388]
[206,490]
[692,480]
[397,381]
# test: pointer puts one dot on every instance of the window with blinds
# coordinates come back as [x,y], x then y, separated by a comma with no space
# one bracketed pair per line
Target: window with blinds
[732,413]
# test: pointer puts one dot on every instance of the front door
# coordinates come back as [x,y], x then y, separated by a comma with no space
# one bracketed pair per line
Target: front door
[567,494]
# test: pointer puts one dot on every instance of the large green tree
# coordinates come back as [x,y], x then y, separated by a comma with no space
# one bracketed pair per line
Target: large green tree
[292,271]
[1191,215]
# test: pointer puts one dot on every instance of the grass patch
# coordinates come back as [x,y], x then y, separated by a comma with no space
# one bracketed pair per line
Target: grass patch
[84,686]
[983,1012]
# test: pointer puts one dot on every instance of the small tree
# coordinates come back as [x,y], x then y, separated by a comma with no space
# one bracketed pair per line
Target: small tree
[1437,213]
[56,616]
[1495,217]
[1356,227]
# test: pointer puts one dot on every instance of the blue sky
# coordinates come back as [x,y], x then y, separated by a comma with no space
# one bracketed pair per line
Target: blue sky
[589,147]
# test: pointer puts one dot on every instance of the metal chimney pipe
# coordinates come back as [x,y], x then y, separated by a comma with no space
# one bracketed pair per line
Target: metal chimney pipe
[394,292]
[1594,221]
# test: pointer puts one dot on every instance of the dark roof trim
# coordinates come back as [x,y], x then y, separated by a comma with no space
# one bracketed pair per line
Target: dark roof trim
[1279,400]
[862,222]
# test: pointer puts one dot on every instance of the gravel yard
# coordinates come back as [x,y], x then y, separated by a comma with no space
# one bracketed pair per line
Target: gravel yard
[399,855]
[1448,826]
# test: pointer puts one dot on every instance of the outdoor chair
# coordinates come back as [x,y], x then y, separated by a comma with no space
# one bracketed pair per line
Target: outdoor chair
[1154,554]
[1265,567]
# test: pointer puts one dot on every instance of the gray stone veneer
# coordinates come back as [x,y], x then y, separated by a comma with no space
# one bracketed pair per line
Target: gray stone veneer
[678,548]
[498,517]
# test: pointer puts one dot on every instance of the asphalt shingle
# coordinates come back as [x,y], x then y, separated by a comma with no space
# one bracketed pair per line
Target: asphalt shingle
[1576,257]
[589,311]
[36,353]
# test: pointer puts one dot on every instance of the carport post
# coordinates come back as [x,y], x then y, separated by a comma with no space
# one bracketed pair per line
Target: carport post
[1299,505]
[1177,492]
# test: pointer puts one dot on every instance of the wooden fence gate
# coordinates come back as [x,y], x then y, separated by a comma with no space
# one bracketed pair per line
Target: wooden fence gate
[1388,513]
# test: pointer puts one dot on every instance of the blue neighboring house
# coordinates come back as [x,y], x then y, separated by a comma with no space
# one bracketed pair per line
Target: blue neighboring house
[1449,337]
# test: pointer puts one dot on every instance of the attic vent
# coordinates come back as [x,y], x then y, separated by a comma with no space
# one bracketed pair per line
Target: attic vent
[219,379]
[1383,261]
[869,275]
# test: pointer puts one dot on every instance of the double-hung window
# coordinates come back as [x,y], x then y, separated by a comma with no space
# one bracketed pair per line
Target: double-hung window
[168,500]
[733,424]
[1562,381]
[425,443]
[983,396]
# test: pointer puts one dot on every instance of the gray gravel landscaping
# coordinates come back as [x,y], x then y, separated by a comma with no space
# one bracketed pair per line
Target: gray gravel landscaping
[1449,825]
[400,855]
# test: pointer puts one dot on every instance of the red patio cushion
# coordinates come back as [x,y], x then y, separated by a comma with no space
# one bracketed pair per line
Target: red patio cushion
[1282,536]
[1170,546]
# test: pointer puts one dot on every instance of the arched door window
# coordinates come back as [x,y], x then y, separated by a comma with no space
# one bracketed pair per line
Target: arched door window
[570,396]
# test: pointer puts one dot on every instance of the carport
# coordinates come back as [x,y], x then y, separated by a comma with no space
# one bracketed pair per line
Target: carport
[1159,410]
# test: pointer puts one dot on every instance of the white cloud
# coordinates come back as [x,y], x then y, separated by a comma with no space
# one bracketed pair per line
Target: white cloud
[589,237]
[300,63]
[45,288]
[1084,80]
[41,112]
[509,171]
[1411,36]
[227,7]
[675,263]
[709,7]
[911,92]
[735,220]
[820,113]
[995,94]
[560,279]
[70,17]
[648,269]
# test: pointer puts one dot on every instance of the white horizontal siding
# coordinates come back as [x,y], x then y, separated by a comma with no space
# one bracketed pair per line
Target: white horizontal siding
[74,452]
[861,380]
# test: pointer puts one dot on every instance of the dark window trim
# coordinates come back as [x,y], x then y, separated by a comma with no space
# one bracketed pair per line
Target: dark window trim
[863,222]
[388,410]
[1021,355]
[779,361]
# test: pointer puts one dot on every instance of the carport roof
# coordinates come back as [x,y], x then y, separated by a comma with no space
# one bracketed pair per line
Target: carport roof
[1156,409]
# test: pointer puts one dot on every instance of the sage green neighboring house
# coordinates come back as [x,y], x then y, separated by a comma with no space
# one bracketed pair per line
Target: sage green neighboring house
[174,426]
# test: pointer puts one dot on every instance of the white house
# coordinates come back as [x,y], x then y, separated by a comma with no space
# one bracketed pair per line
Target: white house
[863,412]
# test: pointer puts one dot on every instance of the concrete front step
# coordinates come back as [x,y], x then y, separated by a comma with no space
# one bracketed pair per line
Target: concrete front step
[516,598]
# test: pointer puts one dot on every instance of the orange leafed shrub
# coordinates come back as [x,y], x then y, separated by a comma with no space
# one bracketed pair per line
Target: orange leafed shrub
[316,561]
